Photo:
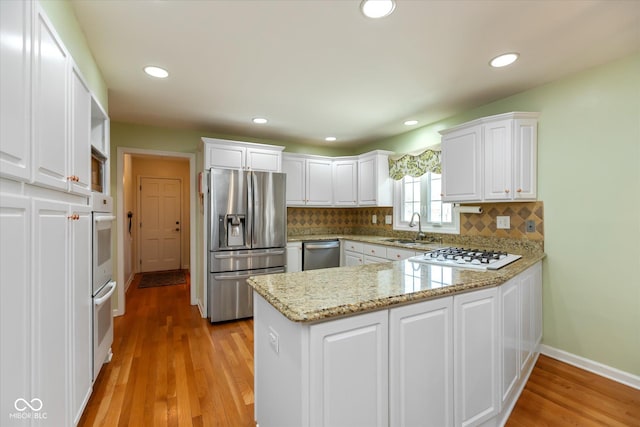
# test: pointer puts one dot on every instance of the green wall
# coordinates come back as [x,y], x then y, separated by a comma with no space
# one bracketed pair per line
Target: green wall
[589,181]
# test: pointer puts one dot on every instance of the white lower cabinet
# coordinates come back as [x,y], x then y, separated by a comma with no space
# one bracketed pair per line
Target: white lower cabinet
[420,364]
[441,362]
[294,257]
[510,328]
[15,302]
[476,357]
[357,253]
[352,258]
[50,296]
[349,371]
[45,257]
[81,310]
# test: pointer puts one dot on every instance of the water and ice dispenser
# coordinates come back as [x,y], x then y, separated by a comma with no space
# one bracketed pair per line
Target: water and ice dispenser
[232,230]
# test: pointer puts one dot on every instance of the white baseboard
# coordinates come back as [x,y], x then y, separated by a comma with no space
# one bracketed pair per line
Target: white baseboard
[201,308]
[598,368]
[129,280]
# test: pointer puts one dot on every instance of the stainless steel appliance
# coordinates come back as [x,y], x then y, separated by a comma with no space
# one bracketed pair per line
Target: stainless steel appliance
[247,237]
[467,258]
[102,285]
[320,254]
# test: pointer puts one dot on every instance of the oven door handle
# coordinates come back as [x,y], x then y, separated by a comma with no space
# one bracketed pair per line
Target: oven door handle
[99,301]
[104,218]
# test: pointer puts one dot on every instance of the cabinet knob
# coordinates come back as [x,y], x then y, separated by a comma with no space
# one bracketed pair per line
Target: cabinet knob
[73,217]
[442,194]
[506,191]
[519,190]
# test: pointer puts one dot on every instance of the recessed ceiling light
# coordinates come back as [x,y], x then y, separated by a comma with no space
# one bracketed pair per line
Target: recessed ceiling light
[158,72]
[259,120]
[504,60]
[411,122]
[377,8]
[330,138]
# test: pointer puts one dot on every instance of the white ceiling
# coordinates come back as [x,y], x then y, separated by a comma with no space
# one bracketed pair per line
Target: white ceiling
[316,68]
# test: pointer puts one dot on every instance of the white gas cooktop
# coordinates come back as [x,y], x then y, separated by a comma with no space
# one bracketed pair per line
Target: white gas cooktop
[475,259]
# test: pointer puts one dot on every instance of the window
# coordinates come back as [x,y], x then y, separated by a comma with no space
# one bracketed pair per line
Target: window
[422,195]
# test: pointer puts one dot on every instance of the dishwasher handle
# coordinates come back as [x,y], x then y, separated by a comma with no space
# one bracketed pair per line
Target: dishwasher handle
[322,245]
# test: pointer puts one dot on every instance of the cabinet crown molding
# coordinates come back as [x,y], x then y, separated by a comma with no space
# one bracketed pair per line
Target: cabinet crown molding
[488,119]
[217,141]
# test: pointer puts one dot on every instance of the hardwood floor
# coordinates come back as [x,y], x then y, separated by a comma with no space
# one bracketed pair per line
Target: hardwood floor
[173,368]
[558,394]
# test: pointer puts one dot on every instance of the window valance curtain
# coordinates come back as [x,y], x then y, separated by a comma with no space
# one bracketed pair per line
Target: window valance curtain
[414,165]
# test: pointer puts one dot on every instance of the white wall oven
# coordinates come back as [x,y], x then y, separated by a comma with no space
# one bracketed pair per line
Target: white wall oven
[103,286]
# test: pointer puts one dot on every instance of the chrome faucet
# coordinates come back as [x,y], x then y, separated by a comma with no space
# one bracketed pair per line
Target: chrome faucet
[420,234]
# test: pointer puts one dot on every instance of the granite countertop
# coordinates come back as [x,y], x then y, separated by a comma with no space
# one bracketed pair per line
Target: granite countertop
[318,295]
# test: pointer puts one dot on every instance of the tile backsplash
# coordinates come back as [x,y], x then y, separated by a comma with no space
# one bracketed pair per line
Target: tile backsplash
[310,221]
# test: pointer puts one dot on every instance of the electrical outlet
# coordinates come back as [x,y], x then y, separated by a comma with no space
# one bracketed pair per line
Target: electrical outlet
[531,226]
[374,219]
[274,340]
[503,222]
[388,219]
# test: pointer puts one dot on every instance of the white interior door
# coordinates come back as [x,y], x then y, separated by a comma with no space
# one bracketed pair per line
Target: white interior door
[160,226]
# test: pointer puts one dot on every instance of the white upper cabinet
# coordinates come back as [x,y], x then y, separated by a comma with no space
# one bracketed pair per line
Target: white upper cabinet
[345,182]
[525,159]
[221,153]
[319,182]
[491,159]
[338,181]
[51,117]
[295,168]
[80,141]
[309,180]
[15,86]
[462,165]
[497,160]
[375,187]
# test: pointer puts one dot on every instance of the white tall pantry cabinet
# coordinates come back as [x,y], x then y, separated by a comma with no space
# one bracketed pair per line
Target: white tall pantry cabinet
[45,223]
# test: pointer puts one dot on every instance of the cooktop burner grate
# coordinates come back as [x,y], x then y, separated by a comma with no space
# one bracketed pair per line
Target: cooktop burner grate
[478,259]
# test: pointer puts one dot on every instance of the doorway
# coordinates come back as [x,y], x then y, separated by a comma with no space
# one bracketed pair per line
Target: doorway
[132,165]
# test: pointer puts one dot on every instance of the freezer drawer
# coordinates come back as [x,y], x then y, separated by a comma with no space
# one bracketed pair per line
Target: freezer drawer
[247,259]
[230,297]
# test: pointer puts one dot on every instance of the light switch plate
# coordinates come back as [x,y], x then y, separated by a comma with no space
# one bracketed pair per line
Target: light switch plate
[374,219]
[503,222]
[388,219]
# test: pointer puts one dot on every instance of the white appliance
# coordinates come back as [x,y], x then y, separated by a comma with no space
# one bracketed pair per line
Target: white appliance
[103,286]
[476,259]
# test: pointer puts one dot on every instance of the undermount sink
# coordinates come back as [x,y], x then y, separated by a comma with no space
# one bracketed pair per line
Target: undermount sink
[402,241]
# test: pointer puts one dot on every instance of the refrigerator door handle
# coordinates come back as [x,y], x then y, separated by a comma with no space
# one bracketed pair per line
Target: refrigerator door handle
[232,277]
[251,255]
[250,179]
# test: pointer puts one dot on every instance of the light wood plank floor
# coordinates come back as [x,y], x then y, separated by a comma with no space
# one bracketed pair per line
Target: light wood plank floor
[173,368]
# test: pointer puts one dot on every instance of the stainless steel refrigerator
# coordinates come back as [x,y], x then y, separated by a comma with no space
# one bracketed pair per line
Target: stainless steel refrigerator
[247,229]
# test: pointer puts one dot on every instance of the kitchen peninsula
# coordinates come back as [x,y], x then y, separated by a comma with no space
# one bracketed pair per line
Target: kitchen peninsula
[397,343]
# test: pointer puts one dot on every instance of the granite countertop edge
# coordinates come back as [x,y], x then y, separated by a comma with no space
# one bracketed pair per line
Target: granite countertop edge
[306,314]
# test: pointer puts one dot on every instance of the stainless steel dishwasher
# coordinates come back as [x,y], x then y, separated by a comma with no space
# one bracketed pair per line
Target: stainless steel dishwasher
[320,254]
